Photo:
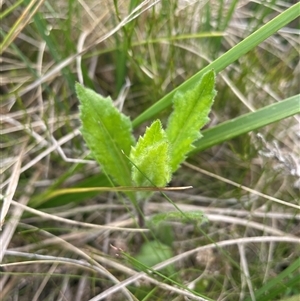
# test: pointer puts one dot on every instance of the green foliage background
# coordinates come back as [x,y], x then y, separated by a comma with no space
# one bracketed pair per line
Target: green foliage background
[145,52]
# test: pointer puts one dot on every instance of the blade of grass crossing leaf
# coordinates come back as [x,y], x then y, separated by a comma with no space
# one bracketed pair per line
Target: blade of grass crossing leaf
[212,136]
[48,200]
[225,60]
[107,188]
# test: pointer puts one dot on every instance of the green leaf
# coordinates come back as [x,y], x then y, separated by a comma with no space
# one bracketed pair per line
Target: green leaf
[107,133]
[187,217]
[150,158]
[152,253]
[190,114]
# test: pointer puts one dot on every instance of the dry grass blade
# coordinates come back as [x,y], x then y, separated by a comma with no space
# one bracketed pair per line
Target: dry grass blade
[90,259]
[220,244]
[268,197]
[128,271]
[49,259]
[7,234]
[44,282]
[13,183]
[70,59]
[76,223]
[153,207]
[134,278]
[246,274]
[237,241]
[20,24]
[46,152]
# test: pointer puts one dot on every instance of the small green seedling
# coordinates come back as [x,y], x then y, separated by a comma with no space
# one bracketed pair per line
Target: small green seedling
[158,153]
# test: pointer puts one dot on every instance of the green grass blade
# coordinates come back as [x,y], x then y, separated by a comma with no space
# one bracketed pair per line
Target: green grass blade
[226,59]
[48,199]
[276,284]
[52,44]
[10,9]
[248,122]
[228,17]
[294,298]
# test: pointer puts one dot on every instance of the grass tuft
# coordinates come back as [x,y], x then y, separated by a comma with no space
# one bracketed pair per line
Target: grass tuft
[63,237]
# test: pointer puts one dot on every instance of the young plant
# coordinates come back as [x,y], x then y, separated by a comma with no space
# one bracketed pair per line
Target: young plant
[158,153]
